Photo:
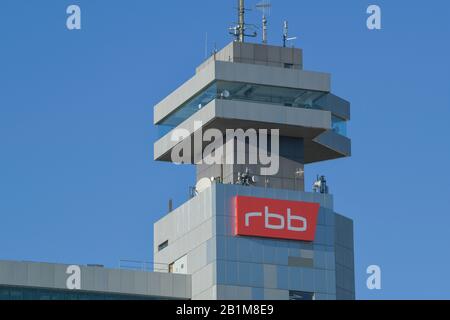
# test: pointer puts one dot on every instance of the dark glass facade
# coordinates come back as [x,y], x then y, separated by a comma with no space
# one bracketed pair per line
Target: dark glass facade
[28,293]
[300,295]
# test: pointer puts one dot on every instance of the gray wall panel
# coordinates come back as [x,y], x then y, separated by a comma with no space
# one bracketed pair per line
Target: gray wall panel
[96,279]
[231,262]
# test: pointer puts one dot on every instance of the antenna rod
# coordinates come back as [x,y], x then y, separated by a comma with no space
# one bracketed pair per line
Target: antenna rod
[264,6]
[286,37]
[264,41]
[206,46]
[285,33]
[241,13]
[238,31]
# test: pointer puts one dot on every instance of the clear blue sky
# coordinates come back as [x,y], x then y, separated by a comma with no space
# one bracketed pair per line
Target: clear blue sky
[77,180]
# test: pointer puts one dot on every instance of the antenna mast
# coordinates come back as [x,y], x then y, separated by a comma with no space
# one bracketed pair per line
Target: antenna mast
[263,6]
[241,17]
[286,34]
[239,30]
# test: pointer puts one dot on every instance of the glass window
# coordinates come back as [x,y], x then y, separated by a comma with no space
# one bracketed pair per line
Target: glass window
[26,293]
[15,294]
[339,125]
[4,294]
[288,97]
[163,245]
[191,107]
[300,295]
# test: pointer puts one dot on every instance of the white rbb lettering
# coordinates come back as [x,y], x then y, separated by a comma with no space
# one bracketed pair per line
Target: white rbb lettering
[276,221]
[304,226]
[272,216]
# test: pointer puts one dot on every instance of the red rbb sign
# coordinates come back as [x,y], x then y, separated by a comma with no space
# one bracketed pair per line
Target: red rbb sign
[281,219]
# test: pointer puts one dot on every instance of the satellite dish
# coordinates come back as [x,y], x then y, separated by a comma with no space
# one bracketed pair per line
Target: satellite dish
[225,94]
[203,184]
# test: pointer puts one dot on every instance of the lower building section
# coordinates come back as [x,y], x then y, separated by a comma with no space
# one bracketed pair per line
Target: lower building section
[30,293]
[201,235]
[229,242]
[46,281]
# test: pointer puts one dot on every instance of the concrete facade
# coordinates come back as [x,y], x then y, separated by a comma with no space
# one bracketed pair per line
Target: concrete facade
[291,161]
[95,280]
[302,105]
[224,266]
[240,72]
[252,87]
[223,114]
[260,54]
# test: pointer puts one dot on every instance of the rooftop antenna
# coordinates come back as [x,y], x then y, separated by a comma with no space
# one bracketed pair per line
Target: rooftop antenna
[286,37]
[241,16]
[320,185]
[206,45]
[246,179]
[264,6]
[239,30]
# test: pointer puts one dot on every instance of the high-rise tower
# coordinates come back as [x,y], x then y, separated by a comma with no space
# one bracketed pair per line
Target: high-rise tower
[250,119]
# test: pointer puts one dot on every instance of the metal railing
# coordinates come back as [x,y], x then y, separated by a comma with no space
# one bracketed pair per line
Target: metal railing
[143,266]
